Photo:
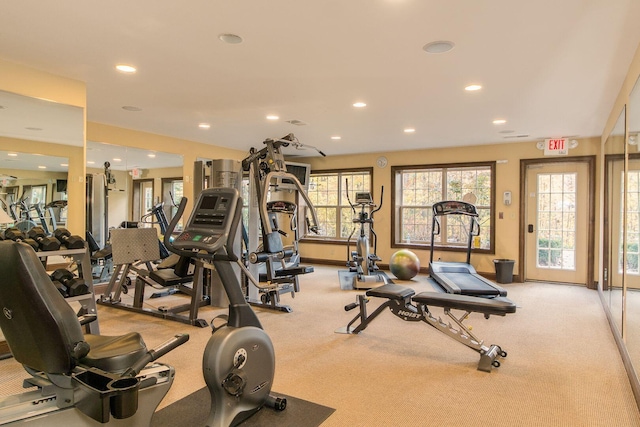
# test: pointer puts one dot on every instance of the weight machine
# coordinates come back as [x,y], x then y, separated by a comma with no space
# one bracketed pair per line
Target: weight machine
[268,172]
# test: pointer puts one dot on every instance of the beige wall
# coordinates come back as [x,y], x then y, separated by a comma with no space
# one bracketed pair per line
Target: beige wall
[507,179]
[30,82]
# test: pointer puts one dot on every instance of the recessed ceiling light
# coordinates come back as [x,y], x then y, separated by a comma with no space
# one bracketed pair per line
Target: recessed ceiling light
[127,69]
[409,130]
[151,155]
[91,162]
[336,137]
[272,117]
[204,125]
[12,154]
[131,108]
[499,121]
[472,88]
[64,164]
[230,38]
[117,159]
[359,104]
[42,167]
[440,46]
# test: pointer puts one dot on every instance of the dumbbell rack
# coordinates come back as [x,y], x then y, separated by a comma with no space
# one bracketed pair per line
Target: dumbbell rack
[88,300]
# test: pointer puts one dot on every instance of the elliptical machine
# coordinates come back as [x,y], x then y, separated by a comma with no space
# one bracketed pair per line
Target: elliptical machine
[363,272]
[239,360]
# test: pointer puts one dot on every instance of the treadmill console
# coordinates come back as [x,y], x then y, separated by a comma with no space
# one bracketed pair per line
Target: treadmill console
[209,224]
[454,207]
[364,198]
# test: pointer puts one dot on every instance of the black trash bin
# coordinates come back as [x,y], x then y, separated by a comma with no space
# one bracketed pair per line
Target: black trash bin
[504,270]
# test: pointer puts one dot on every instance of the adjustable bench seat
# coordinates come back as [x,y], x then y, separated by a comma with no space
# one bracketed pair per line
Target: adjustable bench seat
[294,271]
[391,291]
[497,306]
[167,277]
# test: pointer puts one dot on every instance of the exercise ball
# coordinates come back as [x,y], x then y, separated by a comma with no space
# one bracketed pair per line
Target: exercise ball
[404,264]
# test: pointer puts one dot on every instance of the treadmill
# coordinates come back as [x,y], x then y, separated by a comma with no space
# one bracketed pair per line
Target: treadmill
[460,277]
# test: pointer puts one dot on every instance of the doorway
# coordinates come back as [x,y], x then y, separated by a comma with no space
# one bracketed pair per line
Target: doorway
[557,220]
[142,198]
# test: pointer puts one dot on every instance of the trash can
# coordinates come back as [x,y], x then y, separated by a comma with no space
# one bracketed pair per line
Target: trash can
[504,270]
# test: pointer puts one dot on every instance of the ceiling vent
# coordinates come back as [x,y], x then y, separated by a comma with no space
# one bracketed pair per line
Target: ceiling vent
[296,122]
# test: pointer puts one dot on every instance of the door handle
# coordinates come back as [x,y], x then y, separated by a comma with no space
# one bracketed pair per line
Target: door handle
[530,228]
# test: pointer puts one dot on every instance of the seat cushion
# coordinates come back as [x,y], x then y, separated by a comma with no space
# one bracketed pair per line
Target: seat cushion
[114,354]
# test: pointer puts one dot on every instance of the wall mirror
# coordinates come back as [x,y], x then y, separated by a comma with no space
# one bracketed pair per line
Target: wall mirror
[31,133]
[613,283]
[135,181]
[34,119]
[34,190]
[632,280]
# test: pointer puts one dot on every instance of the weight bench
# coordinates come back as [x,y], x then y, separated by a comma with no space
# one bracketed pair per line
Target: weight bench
[76,379]
[405,304]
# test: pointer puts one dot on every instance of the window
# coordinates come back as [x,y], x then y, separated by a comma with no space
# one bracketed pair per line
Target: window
[417,188]
[327,192]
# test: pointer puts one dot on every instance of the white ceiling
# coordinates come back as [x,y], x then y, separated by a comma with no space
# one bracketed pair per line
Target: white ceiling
[550,68]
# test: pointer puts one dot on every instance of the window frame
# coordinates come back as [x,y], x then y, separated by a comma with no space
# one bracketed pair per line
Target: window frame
[438,246]
[310,237]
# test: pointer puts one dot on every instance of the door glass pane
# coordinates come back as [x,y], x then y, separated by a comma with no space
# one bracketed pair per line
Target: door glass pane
[633,223]
[556,230]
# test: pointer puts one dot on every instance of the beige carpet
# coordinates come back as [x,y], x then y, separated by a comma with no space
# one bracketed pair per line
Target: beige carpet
[563,368]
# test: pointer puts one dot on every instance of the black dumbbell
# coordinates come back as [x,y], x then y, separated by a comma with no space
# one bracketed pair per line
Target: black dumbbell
[71,242]
[73,286]
[17,235]
[45,242]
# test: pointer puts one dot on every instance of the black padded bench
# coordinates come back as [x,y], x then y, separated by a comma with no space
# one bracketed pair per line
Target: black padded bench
[391,291]
[405,304]
[497,306]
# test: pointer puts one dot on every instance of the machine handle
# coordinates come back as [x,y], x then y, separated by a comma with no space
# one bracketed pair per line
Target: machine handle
[156,353]
[172,225]
[353,305]
[380,205]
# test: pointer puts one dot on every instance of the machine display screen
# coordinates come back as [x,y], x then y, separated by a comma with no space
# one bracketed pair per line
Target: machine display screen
[208,202]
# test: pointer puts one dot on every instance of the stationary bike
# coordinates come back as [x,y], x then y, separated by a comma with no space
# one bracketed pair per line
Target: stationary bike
[363,272]
[239,360]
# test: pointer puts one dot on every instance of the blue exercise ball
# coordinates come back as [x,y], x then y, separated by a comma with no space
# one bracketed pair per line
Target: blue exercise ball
[404,264]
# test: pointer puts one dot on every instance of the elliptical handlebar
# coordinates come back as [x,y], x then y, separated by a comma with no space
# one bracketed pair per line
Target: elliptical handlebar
[172,225]
[380,205]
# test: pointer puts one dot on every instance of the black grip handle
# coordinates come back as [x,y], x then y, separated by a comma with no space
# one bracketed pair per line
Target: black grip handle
[350,307]
[156,353]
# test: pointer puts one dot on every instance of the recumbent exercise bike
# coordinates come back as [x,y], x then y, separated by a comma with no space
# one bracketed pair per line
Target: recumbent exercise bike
[76,379]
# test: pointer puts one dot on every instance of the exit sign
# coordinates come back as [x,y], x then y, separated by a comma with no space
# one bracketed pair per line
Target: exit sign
[556,147]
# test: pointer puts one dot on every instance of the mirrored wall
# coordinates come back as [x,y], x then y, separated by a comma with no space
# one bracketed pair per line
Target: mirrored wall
[136,180]
[631,310]
[621,239]
[615,155]
[38,141]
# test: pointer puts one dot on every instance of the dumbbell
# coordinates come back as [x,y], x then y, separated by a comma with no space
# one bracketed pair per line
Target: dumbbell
[45,242]
[68,284]
[17,235]
[71,242]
